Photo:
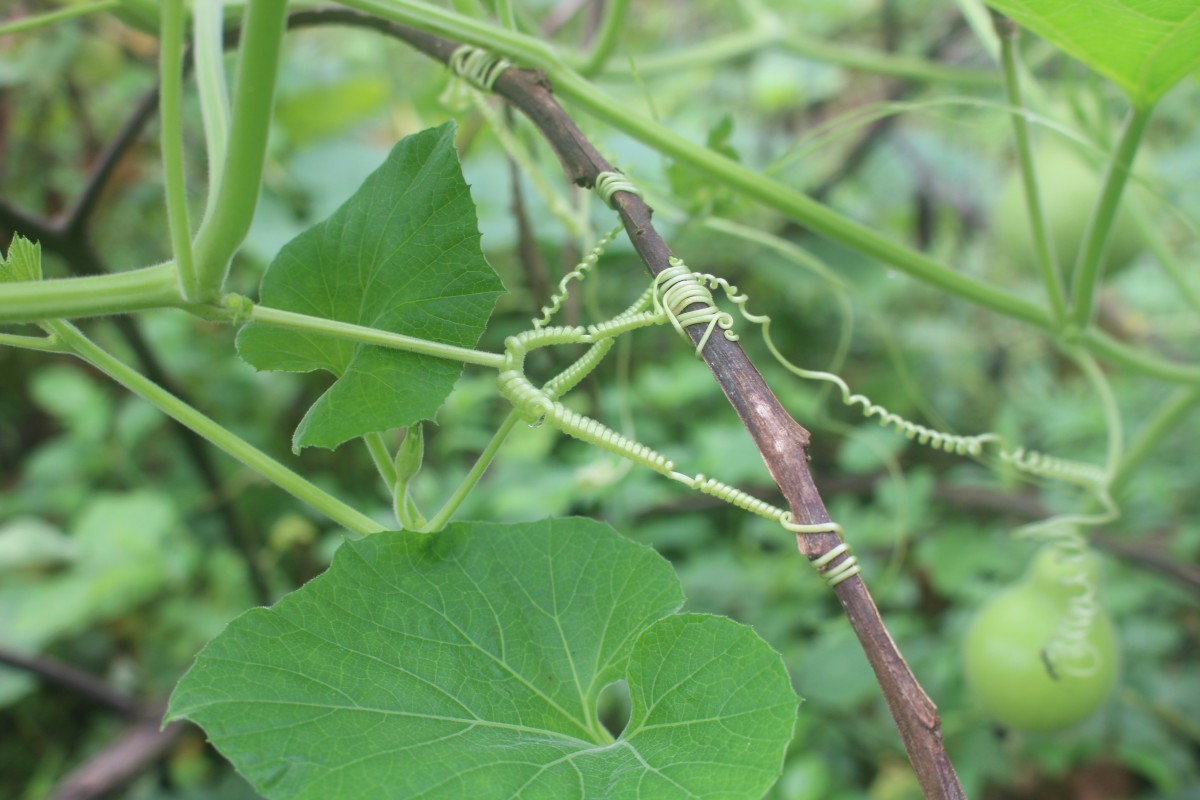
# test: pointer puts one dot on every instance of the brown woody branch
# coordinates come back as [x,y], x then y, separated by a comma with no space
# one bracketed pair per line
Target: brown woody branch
[143,743]
[781,441]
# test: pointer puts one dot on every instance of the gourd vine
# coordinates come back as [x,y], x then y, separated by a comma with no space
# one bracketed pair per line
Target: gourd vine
[667,300]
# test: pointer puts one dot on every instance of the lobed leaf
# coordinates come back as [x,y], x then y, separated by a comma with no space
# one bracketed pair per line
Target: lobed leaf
[469,664]
[402,255]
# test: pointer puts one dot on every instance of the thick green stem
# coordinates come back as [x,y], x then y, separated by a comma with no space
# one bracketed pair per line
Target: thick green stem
[706,54]
[1165,420]
[508,17]
[527,50]
[1141,361]
[189,417]
[241,176]
[754,40]
[170,105]
[817,217]
[1087,269]
[896,66]
[214,94]
[277,318]
[1047,263]
[70,12]
[45,344]
[606,40]
[118,293]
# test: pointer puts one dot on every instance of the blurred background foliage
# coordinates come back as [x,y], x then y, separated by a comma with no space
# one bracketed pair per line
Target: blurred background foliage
[116,557]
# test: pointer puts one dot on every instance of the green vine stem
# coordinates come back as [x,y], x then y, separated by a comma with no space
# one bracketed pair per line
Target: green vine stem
[207,22]
[1047,263]
[74,339]
[45,344]
[439,520]
[382,458]
[533,52]
[1146,363]
[508,17]
[278,318]
[606,40]
[1168,416]
[118,293]
[762,37]
[63,14]
[815,216]
[1152,235]
[170,109]
[1087,269]
[241,175]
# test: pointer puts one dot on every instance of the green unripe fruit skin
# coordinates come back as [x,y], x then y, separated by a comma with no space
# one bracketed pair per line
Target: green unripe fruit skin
[1006,667]
[1069,190]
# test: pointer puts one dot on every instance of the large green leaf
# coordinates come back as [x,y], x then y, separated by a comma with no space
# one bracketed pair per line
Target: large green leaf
[469,664]
[1144,46]
[402,254]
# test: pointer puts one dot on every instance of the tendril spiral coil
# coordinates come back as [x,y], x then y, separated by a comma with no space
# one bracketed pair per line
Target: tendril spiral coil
[730,494]
[578,274]
[477,67]
[678,287]
[609,183]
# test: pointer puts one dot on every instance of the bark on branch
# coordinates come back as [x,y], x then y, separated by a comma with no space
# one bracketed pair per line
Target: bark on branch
[782,442]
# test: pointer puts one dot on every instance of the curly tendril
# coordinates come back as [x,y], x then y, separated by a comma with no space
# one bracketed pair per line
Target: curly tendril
[1028,461]
[676,288]
[578,274]
[477,66]
[609,183]
[666,301]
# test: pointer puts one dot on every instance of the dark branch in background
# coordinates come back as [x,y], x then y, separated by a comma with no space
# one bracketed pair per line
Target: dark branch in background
[877,131]
[781,441]
[80,682]
[109,770]
[68,238]
[81,212]
[537,274]
[112,768]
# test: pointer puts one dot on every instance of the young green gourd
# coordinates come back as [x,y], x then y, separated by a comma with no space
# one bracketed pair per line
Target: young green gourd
[1043,656]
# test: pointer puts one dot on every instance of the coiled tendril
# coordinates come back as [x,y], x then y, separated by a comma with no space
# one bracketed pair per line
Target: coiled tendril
[609,183]
[667,301]
[477,66]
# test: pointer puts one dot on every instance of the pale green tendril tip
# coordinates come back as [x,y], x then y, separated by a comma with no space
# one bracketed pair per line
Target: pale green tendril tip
[477,67]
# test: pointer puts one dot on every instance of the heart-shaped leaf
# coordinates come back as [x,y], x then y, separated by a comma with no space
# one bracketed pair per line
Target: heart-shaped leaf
[469,663]
[402,254]
[1144,47]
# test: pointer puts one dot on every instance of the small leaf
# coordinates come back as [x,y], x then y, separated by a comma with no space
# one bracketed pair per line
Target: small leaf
[402,254]
[469,664]
[1145,48]
[24,261]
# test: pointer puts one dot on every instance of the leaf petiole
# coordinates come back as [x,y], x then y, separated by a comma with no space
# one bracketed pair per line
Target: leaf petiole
[278,318]
[76,342]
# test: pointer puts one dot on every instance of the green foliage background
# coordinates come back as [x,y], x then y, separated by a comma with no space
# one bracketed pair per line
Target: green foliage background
[111,555]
